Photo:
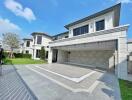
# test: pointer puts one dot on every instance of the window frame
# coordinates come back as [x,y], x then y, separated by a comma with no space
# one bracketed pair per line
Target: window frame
[37,39]
[98,23]
[81,30]
[27,45]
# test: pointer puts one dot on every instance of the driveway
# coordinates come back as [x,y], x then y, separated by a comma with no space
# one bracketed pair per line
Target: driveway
[68,82]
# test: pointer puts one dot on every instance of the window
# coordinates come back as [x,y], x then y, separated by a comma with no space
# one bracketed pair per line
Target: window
[46,55]
[28,44]
[27,52]
[81,30]
[100,25]
[66,36]
[39,39]
[37,53]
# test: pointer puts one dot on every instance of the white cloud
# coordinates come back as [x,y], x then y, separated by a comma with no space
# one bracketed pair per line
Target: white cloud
[124,1]
[18,10]
[7,26]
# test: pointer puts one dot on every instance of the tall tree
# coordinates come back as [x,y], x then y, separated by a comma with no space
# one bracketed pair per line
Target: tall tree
[12,41]
[42,53]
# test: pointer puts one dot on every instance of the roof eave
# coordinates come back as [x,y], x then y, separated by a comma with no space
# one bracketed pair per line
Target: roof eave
[115,8]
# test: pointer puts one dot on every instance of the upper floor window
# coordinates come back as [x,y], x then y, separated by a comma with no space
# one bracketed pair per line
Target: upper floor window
[100,25]
[39,39]
[81,30]
[28,44]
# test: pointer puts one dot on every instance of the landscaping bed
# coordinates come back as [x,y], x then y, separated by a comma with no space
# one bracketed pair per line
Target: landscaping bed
[126,89]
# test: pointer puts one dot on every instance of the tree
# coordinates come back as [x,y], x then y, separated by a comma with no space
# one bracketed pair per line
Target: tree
[12,41]
[42,53]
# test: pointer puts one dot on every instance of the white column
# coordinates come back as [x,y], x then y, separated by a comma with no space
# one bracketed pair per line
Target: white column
[50,55]
[34,56]
[122,58]
[116,62]
[59,58]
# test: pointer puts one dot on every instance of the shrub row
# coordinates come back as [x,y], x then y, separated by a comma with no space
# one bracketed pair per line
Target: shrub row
[21,55]
[18,55]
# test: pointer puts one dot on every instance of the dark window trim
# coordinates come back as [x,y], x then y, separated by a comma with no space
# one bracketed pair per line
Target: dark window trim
[100,27]
[81,30]
[28,44]
[39,42]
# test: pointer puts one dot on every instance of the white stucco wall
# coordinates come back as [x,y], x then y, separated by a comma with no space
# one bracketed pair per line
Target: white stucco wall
[109,19]
[129,47]
[91,58]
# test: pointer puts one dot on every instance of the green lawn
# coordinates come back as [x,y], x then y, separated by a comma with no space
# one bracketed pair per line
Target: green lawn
[126,89]
[23,61]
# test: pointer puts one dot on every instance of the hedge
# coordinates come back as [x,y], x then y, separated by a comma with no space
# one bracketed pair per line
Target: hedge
[18,55]
[21,55]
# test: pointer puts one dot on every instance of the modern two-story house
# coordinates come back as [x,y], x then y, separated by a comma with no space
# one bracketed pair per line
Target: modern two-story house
[33,46]
[97,41]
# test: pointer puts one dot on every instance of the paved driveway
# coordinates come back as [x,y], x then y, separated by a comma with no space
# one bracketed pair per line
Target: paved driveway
[68,82]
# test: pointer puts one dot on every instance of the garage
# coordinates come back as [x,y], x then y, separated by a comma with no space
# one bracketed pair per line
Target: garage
[99,54]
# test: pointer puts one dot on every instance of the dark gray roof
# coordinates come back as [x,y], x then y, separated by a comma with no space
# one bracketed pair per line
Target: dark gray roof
[115,8]
[27,39]
[61,34]
[40,33]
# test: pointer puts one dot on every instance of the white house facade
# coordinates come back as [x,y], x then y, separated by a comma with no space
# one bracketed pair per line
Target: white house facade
[33,46]
[97,41]
[94,41]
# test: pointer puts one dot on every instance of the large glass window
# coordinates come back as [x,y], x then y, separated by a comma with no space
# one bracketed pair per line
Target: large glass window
[28,44]
[37,53]
[100,25]
[39,39]
[81,30]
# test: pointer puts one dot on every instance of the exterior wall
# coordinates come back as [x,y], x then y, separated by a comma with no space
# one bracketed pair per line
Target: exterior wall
[122,57]
[62,56]
[130,57]
[130,67]
[129,47]
[109,20]
[91,58]
[45,44]
[105,35]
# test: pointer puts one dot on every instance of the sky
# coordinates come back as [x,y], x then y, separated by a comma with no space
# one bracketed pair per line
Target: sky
[50,16]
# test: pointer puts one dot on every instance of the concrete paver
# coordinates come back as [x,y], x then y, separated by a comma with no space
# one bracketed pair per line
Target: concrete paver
[102,85]
[12,87]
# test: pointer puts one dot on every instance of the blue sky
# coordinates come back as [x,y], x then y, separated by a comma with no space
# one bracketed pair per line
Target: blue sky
[50,16]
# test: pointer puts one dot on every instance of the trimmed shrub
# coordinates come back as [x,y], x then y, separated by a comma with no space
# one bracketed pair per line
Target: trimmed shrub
[42,53]
[21,55]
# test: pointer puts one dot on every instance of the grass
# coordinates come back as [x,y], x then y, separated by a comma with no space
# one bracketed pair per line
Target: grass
[23,61]
[126,89]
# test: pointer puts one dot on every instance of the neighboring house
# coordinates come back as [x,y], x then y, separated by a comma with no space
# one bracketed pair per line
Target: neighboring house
[94,41]
[34,45]
[26,46]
